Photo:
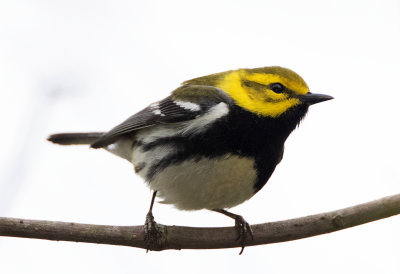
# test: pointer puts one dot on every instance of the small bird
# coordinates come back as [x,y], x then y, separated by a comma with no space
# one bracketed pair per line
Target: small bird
[213,143]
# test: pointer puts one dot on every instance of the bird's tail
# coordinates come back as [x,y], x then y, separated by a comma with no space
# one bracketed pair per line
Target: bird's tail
[81,138]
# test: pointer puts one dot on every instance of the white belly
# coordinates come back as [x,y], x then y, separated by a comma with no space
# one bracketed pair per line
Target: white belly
[221,182]
[204,183]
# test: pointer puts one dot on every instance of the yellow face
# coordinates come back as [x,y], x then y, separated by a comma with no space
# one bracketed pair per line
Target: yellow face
[266,91]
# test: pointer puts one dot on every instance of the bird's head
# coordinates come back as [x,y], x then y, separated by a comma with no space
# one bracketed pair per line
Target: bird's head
[267,91]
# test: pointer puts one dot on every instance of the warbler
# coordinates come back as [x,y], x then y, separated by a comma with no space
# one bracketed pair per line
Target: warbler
[213,142]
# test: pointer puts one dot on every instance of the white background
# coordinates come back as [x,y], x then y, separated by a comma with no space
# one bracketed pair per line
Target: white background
[87,65]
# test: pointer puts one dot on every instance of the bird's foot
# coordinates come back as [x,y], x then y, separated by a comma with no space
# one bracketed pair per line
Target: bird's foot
[153,233]
[244,230]
[242,227]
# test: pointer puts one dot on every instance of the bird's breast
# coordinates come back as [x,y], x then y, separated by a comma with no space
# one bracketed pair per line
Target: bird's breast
[198,182]
[206,183]
[218,166]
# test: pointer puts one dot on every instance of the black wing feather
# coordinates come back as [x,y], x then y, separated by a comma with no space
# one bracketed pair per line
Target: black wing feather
[166,111]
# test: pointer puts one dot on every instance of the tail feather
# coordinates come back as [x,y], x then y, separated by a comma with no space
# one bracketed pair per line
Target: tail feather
[85,138]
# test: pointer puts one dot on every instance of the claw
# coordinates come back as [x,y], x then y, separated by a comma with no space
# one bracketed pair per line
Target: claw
[243,228]
[152,232]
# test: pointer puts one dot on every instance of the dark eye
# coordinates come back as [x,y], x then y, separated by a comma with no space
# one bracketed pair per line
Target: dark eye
[277,87]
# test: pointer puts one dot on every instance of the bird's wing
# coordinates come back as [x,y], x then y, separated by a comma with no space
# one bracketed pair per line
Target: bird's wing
[185,103]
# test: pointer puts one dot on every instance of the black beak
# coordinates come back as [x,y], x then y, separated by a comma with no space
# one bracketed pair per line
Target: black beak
[313,98]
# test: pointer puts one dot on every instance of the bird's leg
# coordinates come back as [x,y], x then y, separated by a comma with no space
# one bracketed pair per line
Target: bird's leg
[243,228]
[152,232]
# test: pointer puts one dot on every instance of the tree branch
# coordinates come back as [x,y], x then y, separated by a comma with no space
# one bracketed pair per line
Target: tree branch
[179,237]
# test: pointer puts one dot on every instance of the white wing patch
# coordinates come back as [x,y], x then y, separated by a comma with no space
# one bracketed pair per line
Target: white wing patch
[188,105]
[158,112]
[156,109]
[201,123]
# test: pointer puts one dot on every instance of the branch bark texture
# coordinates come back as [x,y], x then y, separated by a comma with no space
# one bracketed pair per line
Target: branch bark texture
[179,237]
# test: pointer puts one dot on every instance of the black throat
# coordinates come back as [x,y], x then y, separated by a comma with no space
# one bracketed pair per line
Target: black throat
[249,135]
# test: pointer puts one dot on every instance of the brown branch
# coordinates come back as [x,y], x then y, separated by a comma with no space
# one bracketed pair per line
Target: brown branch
[179,237]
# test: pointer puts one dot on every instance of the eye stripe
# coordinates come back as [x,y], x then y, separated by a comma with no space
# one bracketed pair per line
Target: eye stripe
[292,82]
[262,87]
[255,85]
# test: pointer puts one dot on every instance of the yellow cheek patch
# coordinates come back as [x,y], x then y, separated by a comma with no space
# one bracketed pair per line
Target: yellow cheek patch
[273,109]
[264,95]
[269,95]
[266,79]
[266,103]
